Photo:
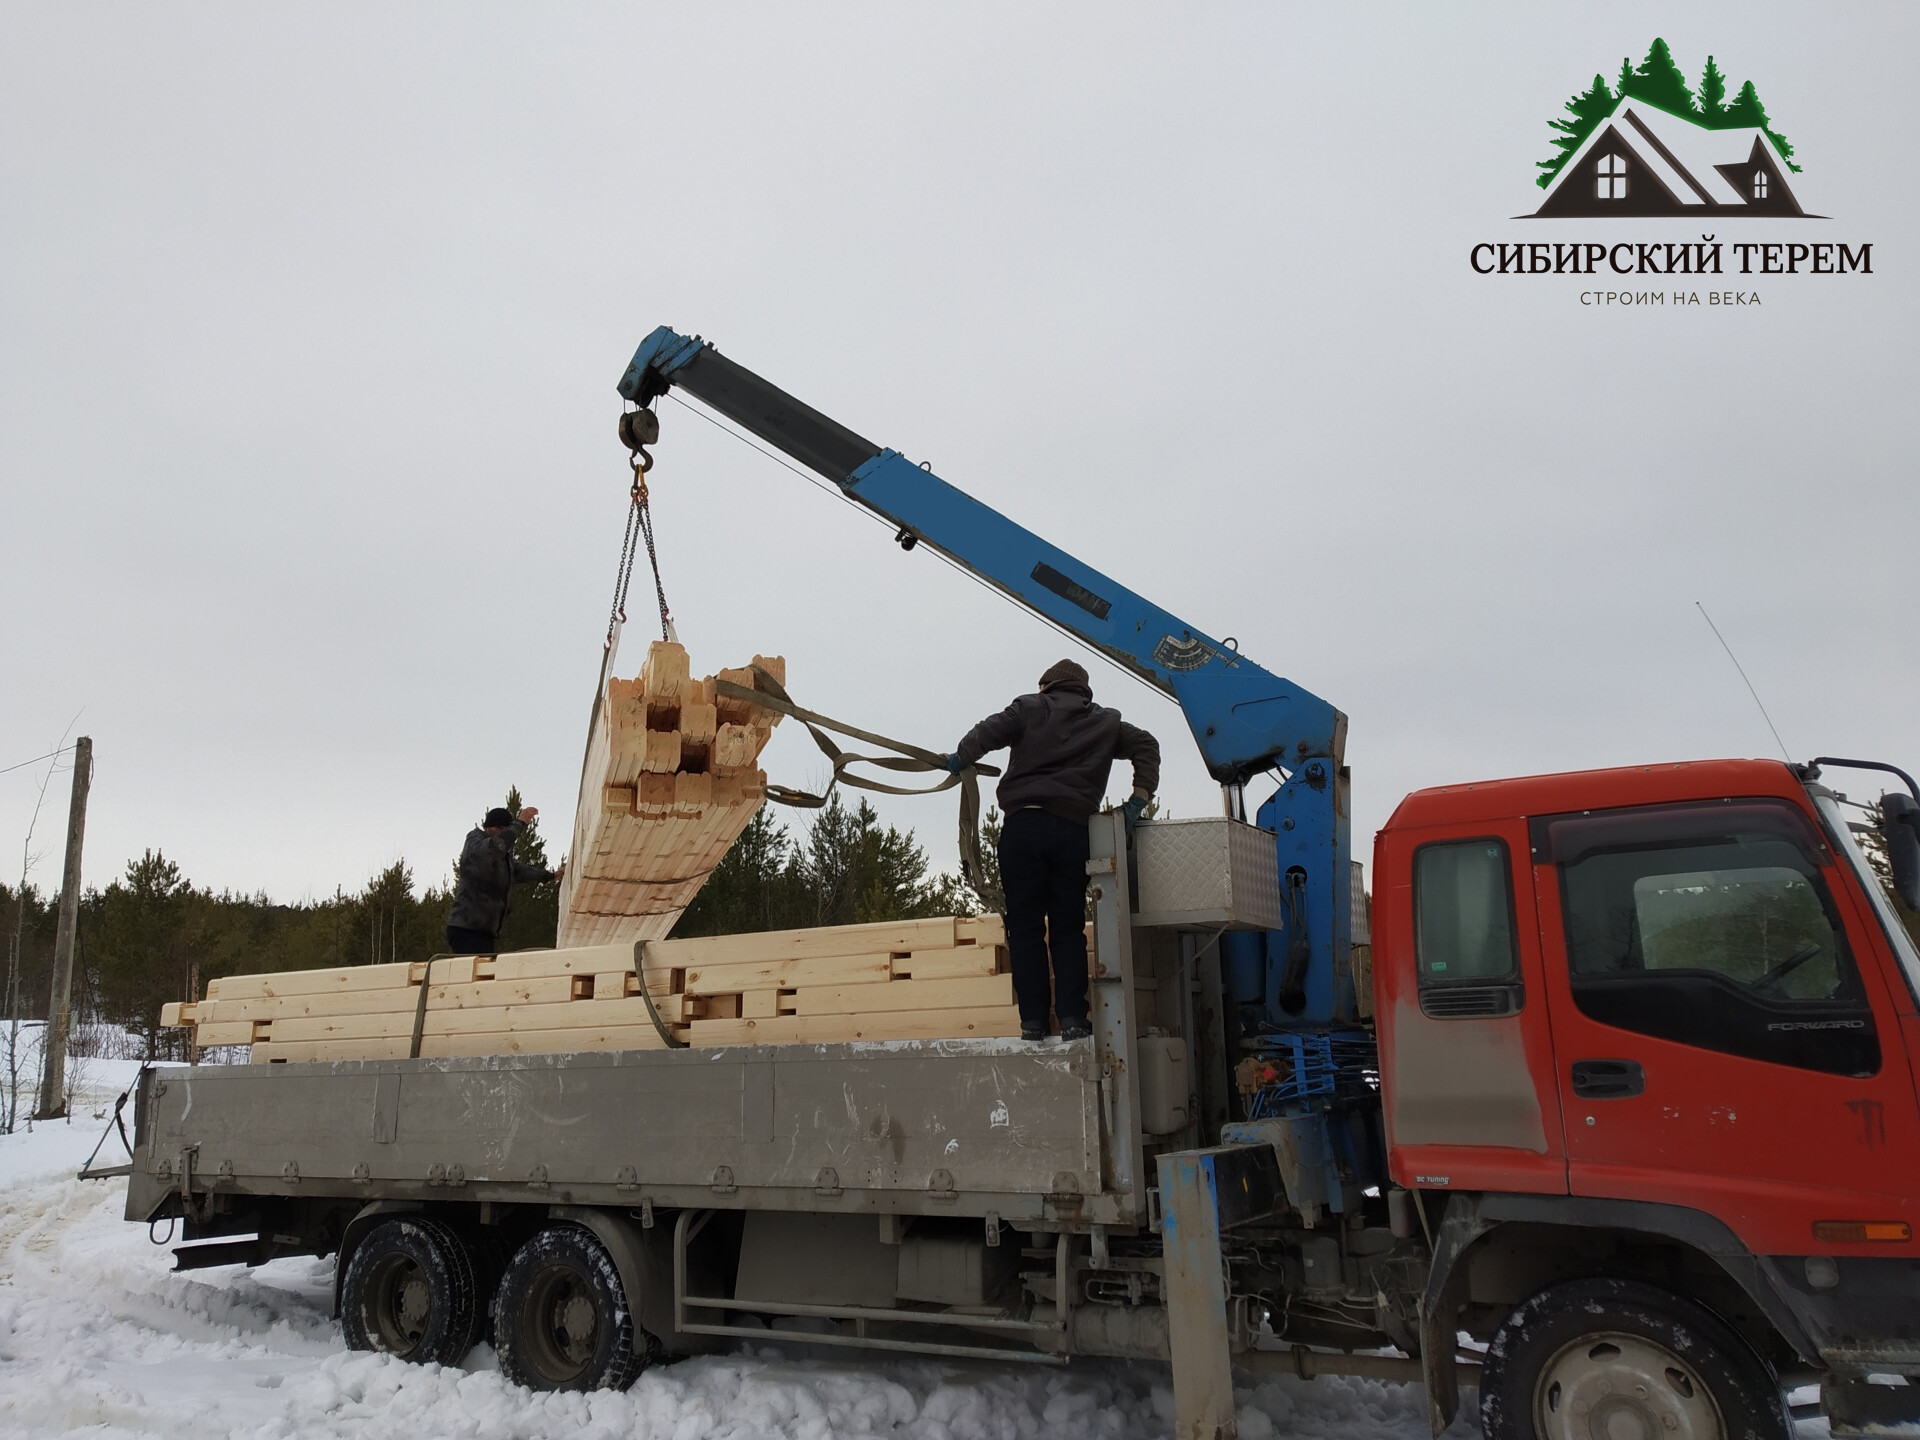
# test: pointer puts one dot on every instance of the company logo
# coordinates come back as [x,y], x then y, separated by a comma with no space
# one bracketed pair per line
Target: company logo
[1652,146]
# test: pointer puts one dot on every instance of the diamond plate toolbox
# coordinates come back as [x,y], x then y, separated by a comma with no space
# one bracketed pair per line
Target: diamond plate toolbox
[1208,873]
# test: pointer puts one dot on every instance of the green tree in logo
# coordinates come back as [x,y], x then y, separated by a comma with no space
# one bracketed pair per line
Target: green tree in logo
[1588,110]
[1746,110]
[1659,81]
[1713,95]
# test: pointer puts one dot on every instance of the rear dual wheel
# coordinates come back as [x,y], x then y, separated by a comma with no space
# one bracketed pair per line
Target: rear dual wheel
[561,1320]
[409,1291]
[1618,1360]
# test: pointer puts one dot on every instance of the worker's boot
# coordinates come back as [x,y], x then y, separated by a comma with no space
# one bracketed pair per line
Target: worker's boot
[1033,1030]
[1075,1029]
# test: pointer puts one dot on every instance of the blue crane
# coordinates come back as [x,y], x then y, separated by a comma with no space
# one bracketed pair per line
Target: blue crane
[1246,720]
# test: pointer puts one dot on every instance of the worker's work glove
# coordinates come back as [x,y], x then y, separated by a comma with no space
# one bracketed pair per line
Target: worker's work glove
[1134,809]
[952,764]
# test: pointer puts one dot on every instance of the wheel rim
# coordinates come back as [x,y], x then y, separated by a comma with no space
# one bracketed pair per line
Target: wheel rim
[398,1306]
[563,1323]
[1623,1387]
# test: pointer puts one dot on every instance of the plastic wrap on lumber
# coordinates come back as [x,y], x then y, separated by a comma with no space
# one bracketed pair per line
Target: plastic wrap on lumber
[671,779]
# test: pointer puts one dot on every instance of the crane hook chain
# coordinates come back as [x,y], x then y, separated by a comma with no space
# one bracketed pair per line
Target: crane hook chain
[638,429]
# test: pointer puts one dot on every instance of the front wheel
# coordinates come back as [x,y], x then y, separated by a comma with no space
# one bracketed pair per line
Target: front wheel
[561,1320]
[1618,1360]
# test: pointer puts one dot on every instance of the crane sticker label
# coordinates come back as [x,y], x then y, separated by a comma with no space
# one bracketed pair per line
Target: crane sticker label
[1650,145]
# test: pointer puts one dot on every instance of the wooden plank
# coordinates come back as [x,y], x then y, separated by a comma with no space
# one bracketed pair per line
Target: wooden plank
[972,993]
[482,994]
[176,1013]
[505,1019]
[577,960]
[821,942]
[952,964]
[981,929]
[309,982]
[663,752]
[698,722]
[237,1032]
[851,970]
[665,672]
[761,1004]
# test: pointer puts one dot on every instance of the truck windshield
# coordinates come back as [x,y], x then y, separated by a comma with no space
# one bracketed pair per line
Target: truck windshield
[1843,842]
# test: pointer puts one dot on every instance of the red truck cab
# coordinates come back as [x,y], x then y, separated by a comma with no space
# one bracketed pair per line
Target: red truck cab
[1655,1026]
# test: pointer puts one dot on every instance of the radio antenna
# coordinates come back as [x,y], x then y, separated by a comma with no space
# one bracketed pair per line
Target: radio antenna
[1743,676]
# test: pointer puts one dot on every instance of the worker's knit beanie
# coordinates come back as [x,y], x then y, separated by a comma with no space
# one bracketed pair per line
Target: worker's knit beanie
[1061,672]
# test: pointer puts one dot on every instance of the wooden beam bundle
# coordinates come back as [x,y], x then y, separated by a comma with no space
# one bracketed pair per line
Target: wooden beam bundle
[671,779]
[897,980]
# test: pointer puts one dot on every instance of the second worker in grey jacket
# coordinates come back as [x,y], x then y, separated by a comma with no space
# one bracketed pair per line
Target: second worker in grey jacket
[486,876]
[1063,747]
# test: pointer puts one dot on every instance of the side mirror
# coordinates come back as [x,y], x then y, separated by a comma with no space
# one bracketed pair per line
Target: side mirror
[1902,828]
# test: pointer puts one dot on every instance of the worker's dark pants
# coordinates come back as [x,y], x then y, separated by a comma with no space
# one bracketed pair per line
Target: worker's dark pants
[462,941]
[1043,869]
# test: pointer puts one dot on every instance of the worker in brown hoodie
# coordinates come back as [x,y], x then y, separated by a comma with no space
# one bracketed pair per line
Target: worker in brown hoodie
[1063,747]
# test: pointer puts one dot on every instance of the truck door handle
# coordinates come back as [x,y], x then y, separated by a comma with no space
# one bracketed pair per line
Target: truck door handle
[1607,1079]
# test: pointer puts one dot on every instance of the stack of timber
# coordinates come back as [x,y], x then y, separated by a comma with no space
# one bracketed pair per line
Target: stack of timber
[896,980]
[671,779]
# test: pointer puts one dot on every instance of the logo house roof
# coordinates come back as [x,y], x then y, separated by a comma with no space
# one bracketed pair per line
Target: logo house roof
[1643,160]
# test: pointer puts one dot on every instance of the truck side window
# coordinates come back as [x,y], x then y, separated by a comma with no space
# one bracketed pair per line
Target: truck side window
[1711,925]
[1464,947]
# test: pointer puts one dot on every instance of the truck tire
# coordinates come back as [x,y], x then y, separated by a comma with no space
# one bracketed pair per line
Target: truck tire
[561,1317]
[1599,1359]
[409,1292]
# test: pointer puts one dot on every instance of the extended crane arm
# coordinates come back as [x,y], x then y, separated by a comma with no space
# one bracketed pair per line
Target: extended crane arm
[1244,718]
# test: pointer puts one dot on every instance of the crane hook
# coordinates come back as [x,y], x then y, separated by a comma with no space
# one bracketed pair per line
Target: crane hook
[639,429]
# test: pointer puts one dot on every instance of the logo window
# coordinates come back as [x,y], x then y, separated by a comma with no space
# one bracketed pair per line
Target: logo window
[1759,184]
[1612,181]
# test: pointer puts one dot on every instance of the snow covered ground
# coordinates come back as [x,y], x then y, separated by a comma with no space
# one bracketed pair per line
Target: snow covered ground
[99,1337]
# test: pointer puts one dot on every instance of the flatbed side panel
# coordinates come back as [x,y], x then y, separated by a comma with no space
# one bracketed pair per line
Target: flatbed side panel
[995,1116]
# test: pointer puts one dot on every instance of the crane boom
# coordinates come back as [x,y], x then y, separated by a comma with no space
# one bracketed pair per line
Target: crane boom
[1245,719]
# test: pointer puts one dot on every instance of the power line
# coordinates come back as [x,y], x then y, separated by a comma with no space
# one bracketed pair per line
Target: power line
[37,759]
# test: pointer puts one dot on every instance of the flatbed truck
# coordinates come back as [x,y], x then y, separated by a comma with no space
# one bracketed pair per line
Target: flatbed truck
[1613,1077]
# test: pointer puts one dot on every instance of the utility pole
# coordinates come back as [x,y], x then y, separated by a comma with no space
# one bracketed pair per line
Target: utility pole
[53,1080]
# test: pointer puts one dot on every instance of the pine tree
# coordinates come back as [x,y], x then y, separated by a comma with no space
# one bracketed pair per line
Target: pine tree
[387,899]
[1658,81]
[1624,85]
[533,914]
[1713,95]
[754,887]
[144,946]
[1588,109]
[1873,843]
[1747,111]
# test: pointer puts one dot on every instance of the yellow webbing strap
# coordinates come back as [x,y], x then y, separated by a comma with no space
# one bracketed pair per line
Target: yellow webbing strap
[770,694]
[640,974]
[420,1006]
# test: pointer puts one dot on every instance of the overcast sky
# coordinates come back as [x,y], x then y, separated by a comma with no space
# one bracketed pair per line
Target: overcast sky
[310,320]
